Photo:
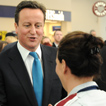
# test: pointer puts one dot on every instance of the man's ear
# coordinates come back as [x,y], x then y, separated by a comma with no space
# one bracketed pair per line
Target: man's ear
[15,25]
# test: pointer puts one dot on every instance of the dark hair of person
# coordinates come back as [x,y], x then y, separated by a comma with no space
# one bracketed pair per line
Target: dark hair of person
[29,4]
[81,50]
[11,34]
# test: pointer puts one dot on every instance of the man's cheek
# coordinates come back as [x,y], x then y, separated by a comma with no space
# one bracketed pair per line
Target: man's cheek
[40,32]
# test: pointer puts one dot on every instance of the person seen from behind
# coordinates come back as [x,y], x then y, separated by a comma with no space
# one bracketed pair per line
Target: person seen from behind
[78,62]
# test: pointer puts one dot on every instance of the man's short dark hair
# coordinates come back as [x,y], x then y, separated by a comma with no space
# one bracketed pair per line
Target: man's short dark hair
[11,34]
[28,4]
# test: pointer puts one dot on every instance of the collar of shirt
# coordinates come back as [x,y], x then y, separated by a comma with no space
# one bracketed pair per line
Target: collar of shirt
[24,52]
[55,44]
[84,85]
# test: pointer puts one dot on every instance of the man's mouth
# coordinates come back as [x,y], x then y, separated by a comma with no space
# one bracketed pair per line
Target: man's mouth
[32,37]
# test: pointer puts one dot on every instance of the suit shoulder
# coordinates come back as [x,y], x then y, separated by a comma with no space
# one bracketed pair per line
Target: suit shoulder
[49,48]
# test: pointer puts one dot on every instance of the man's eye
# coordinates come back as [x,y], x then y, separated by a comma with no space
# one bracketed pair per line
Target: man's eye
[38,26]
[26,25]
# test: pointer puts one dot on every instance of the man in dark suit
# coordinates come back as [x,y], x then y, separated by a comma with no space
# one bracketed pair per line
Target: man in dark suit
[16,85]
[57,38]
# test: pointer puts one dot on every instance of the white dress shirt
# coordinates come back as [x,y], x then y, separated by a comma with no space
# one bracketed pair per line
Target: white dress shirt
[56,45]
[28,59]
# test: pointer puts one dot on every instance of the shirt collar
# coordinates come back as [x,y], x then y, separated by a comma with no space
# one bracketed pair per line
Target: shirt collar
[84,85]
[55,44]
[24,52]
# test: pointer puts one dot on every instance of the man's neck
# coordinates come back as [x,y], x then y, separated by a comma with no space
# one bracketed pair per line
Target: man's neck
[56,44]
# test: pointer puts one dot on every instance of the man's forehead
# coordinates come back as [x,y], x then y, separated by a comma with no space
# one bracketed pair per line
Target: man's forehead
[58,32]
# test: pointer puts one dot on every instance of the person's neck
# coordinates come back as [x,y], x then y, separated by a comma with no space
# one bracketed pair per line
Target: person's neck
[57,43]
[75,81]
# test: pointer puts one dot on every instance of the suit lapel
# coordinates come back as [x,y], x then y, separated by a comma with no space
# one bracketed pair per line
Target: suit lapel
[21,73]
[18,66]
[47,69]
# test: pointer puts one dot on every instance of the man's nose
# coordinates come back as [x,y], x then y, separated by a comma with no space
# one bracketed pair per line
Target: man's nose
[33,30]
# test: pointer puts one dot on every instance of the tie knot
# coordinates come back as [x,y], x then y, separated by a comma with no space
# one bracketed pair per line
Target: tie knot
[34,54]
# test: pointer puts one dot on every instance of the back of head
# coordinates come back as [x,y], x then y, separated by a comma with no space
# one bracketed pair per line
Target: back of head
[28,4]
[10,39]
[11,34]
[93,32]
[80,50]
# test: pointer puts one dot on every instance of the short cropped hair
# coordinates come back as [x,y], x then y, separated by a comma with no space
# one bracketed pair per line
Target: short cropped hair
[92,31]
[28,4]
[56,31]
[81,50]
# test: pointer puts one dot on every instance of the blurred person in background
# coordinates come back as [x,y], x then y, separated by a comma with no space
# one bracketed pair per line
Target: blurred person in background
[11,37]
[57,38]
[2,45]
[46,41]
[93,32]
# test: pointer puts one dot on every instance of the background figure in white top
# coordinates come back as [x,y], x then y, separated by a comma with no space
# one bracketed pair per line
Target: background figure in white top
[78,62]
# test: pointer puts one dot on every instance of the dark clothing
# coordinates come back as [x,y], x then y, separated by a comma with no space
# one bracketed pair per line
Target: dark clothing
[15,86]
[102,80]
[53,44]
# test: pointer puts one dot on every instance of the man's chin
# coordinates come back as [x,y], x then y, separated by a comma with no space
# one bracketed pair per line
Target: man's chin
[33,47]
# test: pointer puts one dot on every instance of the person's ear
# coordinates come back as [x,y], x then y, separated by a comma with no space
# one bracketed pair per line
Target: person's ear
[64,66]
[15,24]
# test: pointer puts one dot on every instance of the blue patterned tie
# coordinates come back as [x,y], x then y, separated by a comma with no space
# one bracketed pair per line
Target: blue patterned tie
[37,78]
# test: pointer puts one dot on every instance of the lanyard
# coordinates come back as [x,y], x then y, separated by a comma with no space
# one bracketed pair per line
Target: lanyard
[88,88]
[62,103]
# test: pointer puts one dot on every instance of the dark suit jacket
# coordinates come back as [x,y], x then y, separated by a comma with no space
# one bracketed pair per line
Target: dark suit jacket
[102,80]
[15,85]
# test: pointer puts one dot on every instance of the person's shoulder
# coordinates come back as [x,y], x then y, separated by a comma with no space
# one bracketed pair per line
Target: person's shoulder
[8,47]
[51,51]
[49,47]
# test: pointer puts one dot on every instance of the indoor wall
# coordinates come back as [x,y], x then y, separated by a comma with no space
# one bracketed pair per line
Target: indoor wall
[82,17]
